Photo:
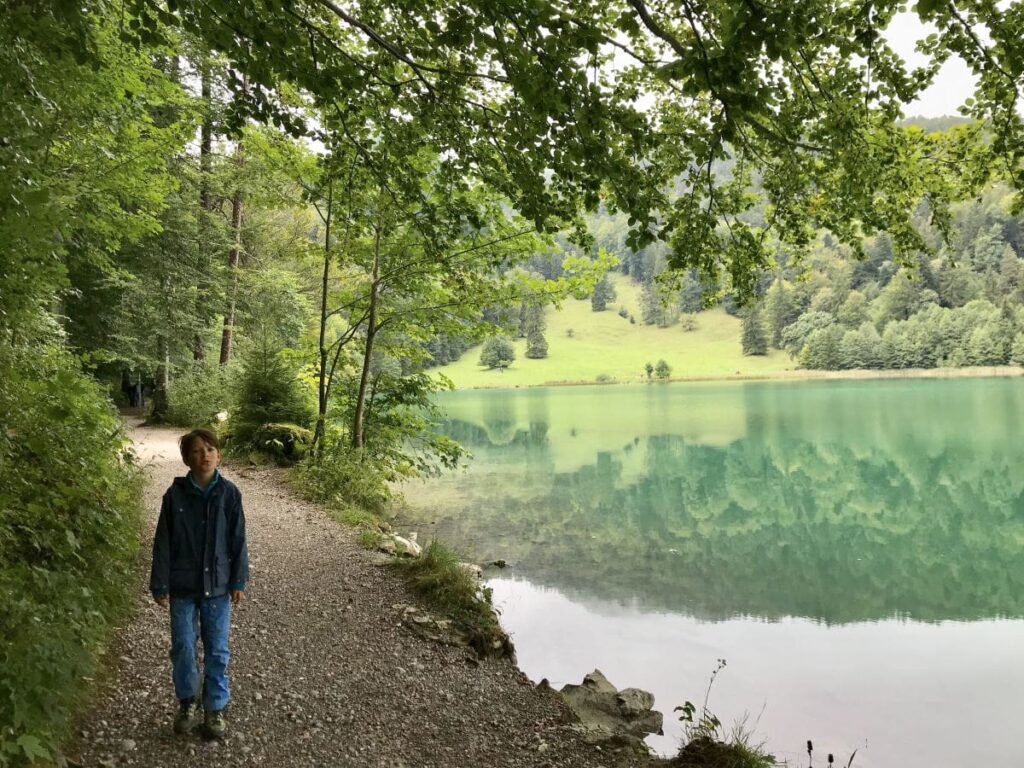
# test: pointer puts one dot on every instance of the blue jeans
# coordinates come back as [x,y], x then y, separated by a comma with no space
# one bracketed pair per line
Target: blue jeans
[211,618]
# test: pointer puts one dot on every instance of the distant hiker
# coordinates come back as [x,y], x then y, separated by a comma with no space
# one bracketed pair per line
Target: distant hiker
[200,562]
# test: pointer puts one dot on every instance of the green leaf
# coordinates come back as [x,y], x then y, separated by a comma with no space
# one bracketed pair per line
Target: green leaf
[32,747]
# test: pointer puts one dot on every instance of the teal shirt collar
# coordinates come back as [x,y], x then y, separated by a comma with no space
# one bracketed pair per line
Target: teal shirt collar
[209,488]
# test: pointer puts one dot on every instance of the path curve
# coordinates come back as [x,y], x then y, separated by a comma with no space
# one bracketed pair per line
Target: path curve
[322,672]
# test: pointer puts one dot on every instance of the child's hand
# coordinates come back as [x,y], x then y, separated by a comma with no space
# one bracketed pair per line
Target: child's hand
[161,600]
[236,596]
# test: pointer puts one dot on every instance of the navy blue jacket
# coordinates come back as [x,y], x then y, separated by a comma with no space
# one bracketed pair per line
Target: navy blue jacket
[199,549]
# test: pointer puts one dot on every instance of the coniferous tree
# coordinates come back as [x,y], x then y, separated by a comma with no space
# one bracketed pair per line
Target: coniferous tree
[755,342]
[536,344]
[604,293]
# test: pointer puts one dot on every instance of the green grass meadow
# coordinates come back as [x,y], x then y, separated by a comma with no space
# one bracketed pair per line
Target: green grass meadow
[603,344]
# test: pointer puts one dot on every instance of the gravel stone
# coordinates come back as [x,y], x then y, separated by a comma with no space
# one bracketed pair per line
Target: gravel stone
[321,672]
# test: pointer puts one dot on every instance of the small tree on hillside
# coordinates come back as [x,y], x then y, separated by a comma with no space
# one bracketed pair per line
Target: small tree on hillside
[649,368]
[536,344]
[498,352]
[603,294]
[755,342]
[662,370]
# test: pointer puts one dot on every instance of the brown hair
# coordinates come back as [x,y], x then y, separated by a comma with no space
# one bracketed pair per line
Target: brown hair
[185,442]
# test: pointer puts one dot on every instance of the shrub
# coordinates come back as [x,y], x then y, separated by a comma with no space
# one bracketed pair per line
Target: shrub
[662,370]
[196,396]
[342,476]
[69,533]
[688,322]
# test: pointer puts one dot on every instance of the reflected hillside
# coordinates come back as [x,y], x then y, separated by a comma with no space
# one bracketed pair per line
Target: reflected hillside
[840,502]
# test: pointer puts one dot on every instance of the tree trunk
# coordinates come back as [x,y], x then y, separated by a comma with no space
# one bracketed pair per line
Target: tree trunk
[358,439]
[205,201]
[321,413]
[227,336]
[158,411]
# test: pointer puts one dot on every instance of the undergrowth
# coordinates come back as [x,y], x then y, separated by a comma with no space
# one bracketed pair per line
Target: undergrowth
[69,532]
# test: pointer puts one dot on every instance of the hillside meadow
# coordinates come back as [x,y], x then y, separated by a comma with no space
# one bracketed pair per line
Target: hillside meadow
[588,346]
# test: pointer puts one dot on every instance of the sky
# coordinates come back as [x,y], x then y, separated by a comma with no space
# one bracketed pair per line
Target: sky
[952,85]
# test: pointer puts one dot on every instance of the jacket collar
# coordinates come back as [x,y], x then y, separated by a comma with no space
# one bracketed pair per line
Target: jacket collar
[193,487]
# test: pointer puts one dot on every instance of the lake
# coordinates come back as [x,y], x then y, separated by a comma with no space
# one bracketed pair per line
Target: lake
[853,549]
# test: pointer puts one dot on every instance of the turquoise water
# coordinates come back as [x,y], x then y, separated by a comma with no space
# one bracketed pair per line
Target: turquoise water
[853,549]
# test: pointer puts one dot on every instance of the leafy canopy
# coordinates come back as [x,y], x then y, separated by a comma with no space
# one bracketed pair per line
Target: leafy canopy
[561,105]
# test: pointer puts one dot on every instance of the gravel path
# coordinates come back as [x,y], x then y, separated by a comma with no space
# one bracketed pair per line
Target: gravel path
[322,672]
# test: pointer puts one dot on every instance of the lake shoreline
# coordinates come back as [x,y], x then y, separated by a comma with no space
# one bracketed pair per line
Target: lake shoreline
[858,374]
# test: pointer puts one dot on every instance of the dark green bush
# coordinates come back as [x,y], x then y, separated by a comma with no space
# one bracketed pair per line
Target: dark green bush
[195,397]
[69,532]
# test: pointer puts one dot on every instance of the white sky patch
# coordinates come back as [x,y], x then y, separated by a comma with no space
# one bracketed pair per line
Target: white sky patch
[952,85]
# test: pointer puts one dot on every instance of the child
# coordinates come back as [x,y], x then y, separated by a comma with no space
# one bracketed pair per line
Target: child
[201,563]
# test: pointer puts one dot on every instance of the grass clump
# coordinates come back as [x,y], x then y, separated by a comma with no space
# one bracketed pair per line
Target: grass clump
[344,478]
[708,746]
[449,589]
[707,752]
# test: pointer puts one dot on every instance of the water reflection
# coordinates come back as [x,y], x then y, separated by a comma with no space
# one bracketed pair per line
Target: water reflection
[840,502]
[852,548]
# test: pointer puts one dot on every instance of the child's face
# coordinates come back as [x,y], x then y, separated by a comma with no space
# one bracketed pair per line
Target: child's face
[202,458]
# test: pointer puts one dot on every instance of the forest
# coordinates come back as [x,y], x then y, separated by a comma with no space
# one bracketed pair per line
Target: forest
[273,218]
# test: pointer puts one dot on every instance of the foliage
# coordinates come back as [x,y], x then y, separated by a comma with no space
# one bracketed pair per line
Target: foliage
[497,352]
[68,536]
[808,101]
[662,370]
[344,477]
[649,369]
[286,443]
[83,160]
[536,344]
[451,590]
[196,396]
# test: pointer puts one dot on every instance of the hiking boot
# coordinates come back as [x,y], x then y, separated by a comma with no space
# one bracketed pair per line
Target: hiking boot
[214,725]
[188,716]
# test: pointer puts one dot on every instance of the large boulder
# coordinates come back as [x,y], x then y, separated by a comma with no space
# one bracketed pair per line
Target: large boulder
[610,715]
